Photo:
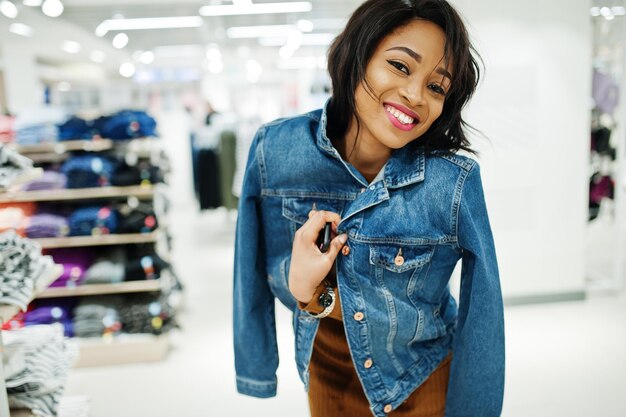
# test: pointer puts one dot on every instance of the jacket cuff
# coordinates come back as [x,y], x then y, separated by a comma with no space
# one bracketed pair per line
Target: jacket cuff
[254,388]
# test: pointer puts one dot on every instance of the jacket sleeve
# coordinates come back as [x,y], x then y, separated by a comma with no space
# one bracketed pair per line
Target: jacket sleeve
[476,382]
[254,327]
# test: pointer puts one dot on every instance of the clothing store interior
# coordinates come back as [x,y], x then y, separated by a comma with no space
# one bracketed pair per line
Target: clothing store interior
[125,131]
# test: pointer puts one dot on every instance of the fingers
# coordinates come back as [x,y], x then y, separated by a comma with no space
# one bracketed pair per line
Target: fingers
[335,245]
[317,220]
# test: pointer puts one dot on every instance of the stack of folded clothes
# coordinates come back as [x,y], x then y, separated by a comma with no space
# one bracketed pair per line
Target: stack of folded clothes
[86,171]
[43,225]
[12,165]
[142,173]
[38,359]
[50,180]
[140,219]
[87,221]
[126,124]
[21,266]
[38,125]
[76,128]
[147,313]
[51,314]
[96,316]
[75,263]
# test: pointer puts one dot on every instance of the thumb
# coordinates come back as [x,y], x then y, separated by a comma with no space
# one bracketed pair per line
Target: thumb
[336,244]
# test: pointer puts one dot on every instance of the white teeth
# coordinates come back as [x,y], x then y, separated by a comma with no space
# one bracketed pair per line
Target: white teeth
[403,118]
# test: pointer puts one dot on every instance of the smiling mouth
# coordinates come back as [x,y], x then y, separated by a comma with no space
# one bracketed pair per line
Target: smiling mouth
[405,119]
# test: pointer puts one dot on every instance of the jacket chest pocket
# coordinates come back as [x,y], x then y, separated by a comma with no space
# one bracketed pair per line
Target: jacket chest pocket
[296,209]
[403,270]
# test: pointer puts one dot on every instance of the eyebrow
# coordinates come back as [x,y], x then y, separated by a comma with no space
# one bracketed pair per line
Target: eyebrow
[418,58]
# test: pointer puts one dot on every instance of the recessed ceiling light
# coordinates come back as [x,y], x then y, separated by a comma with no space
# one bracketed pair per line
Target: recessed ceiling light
[52,8]
[71,47]
[127,69]
[21,29]
[120,40]
[8,9]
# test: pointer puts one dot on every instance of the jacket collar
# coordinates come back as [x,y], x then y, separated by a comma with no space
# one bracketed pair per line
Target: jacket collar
[406,165]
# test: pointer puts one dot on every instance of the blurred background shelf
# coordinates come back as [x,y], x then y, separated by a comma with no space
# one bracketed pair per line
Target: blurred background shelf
[122,349]
[102,240]
[100,289]
[65,146]
[139,191]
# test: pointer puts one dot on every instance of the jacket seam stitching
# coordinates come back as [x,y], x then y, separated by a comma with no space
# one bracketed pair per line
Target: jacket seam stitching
[456,208]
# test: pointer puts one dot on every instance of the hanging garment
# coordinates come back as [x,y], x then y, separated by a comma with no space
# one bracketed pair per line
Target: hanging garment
[208,179]
[227,165]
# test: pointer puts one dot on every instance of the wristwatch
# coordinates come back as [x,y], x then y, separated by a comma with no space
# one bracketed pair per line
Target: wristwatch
[327,301]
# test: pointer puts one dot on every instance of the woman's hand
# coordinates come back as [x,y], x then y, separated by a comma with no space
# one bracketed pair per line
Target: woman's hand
[309,266]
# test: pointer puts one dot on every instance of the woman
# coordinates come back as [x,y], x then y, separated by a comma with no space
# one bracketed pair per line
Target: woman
[377,331]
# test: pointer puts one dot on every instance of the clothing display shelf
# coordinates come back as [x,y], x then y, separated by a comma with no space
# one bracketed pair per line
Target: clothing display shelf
[122,349]
[96,145]
[9,311]
[139,191]
[27,176]
[101,240]
[151,285]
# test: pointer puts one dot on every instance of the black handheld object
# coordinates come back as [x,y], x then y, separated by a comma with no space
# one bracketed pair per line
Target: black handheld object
[323,241]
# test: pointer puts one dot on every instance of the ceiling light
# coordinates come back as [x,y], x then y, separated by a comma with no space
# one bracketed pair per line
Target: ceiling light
[52,8]
[8,9]
[264,8]
[127,69]
[605,11]
[120,40]
[97,56]
[619,10]
[149,23]
[239,32]
[146,57]
[21,29]
[213,54]
[71,47]
[304,25]
[595,11]
[32,3]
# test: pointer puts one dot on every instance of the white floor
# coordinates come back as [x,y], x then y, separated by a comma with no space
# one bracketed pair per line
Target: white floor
[565,359]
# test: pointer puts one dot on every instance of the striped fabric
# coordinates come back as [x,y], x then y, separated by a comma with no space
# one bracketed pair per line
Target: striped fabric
[36,380]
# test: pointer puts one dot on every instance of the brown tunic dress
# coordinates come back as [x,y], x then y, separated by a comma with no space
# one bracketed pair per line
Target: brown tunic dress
[334,387]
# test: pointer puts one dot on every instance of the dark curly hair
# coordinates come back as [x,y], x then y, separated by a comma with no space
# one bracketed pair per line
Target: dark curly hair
[351,51]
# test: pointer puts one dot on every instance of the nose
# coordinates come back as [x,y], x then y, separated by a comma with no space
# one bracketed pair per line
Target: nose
[413,93]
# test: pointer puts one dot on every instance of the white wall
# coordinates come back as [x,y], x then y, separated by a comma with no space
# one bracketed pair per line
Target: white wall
[534,106]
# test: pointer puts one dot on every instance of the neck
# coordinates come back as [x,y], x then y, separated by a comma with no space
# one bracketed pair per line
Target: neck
[364,152]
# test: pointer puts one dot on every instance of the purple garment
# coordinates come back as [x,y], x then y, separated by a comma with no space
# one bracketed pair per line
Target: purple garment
[73,274]
[46,315]
[47,225]
[75,262]
[50,180]
[605,92]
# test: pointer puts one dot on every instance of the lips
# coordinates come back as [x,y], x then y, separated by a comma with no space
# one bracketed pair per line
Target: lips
[400,116]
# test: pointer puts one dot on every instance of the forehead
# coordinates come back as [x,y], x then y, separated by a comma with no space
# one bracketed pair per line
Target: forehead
[422,36]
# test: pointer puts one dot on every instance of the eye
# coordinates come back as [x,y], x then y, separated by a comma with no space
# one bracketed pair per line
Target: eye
[399,66]
[437,89]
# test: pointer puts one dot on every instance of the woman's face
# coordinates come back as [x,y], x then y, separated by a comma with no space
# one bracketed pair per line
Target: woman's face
[409,80]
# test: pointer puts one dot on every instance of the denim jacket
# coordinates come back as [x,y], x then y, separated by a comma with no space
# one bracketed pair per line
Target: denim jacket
[406,233]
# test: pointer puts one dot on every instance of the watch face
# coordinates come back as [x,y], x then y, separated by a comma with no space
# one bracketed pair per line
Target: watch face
[325,299]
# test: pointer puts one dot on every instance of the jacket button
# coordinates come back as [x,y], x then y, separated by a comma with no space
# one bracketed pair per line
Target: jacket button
[368,364]
[399,260]
[345,250]
[388,408]
[358,316]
